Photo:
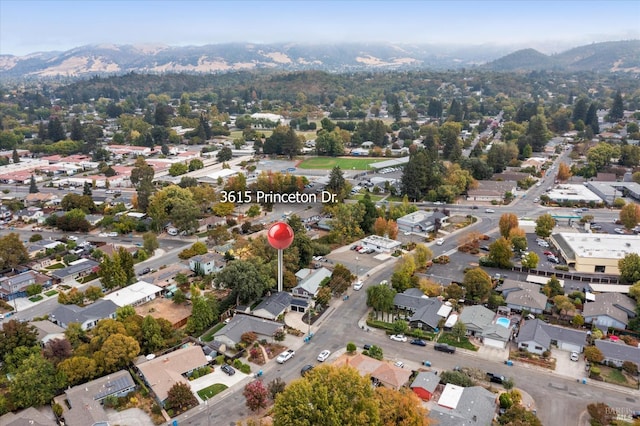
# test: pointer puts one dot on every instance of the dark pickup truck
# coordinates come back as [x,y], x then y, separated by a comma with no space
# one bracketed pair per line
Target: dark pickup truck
[495,378]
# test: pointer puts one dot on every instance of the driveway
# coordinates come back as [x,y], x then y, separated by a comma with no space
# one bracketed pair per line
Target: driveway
[566,367]
[218,376]
[129,417]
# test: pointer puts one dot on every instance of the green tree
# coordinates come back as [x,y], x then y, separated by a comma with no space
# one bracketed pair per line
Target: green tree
[630,215]
[14,334]
[180,398]
[617,108]
[328,396]
[35,382]
[459,330]
[244,278]
[422,255]
[370,214]
[225,154]
[457,378]
[337,184]
[518,415]
[345,222]
[477,284]
[12,251]
[125,262]
[117,351]
[142,179]
[544,225]
[577,321]
[400,326]
[552,288]
[375,352]
[380,298]
[150,242]
[179,297]
[152,339]
[530,260]
[500,253]
[256,395]
[110,273]
[176,205]
[203,315]
[178,169]
[78,369]
[33,187]
[629,267]
[93,293]
[195,164]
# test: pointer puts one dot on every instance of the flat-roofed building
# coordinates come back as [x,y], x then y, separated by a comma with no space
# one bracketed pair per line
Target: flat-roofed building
[595,253]
[573,193]
[609,191]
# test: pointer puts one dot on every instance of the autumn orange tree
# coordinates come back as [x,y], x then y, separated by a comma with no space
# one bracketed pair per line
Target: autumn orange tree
[564,172]
[508,221]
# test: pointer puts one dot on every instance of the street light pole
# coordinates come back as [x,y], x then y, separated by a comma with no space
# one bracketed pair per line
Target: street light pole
[357,268]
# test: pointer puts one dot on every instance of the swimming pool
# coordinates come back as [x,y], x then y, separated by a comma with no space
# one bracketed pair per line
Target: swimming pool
[505,322]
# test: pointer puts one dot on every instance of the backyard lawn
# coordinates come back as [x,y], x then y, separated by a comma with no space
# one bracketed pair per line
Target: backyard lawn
[208,336]
[328,163]
[211,391]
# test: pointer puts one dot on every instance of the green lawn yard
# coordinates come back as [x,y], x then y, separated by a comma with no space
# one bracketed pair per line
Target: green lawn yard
[328,163]
[211,391]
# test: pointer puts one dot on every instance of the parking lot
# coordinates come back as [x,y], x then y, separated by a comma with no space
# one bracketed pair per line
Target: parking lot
[358,263]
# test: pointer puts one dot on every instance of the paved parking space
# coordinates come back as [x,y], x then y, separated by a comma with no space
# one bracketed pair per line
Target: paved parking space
[129,417]
[218,376]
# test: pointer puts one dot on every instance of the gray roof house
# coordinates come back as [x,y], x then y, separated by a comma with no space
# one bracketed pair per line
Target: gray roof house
[618,352]
[425,384]
[232,333]
[87,316]
[27,417]
[537,336]
[421,221]
[470,406]
[86,399]
[309,285]
[75,270]
[429,315]
[476,318]
[410,300]
[47,331]
[522,296]
[273,305]
[16,285]
[609,310]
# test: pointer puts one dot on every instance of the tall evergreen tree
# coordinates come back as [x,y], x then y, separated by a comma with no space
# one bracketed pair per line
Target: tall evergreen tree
[15,157]
[77,134]
[42,131]
[55,130]
[617,109]
[33,188]
[86,189]
[592,118]
[580,111]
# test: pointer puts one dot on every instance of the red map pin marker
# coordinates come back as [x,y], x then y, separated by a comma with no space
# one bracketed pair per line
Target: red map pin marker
[280,235]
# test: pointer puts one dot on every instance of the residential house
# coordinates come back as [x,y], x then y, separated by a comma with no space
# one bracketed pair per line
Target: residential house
[165,277]
[424,385]
[537,337]
[381,372]
[15,286]
[78,269]
[205,264]
[135,294]
[429,316]
[82,404]
[41,198]
[231,334]
[521,296]
[422,221]
[27,417]
[29,214]
[309,281]
[87,316]
[273,305]
[410,300]
[40,247]
[480,322]
[47,331]
[164,371]
[609,310]
[458,406]
[618,352]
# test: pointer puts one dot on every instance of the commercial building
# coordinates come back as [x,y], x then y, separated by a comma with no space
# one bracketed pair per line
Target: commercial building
[578,194]
[595,253]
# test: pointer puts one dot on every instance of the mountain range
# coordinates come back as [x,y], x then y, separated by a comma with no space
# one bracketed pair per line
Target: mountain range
[618,56]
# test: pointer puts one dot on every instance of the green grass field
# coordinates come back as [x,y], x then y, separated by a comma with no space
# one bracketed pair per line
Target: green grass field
[211,391]
[328,163]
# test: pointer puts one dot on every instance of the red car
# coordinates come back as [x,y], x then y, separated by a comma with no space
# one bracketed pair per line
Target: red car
[548,253]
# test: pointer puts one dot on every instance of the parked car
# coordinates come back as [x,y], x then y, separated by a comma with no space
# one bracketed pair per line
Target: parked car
[495,378]
[324,355]
[418,342]
[72,238]
[306,369]
[543,244]
[358,285]
[618,231]
[548,253]
[398,338]
[145,271]
[228,369]
[596,226]
[112,234]
[443,347]
[366,346]
[489,211]
[399,364]
[574,356]
[440,241]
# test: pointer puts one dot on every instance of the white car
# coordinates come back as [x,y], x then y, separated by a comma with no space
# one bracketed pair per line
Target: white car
[113,234]
[399,364]
[398,338]
[489,211]
[103,234]
[574,356]
[358,285]
[440,241]
[72,238]
[324,355]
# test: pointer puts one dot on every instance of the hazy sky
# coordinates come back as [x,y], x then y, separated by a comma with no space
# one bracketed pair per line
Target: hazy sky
[551,26]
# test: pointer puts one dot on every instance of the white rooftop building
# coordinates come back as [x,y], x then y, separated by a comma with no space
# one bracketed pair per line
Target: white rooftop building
[575,193]
[135,294]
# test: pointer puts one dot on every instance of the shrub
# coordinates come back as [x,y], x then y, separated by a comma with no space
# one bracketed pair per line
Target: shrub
[351,347]
[245,368]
